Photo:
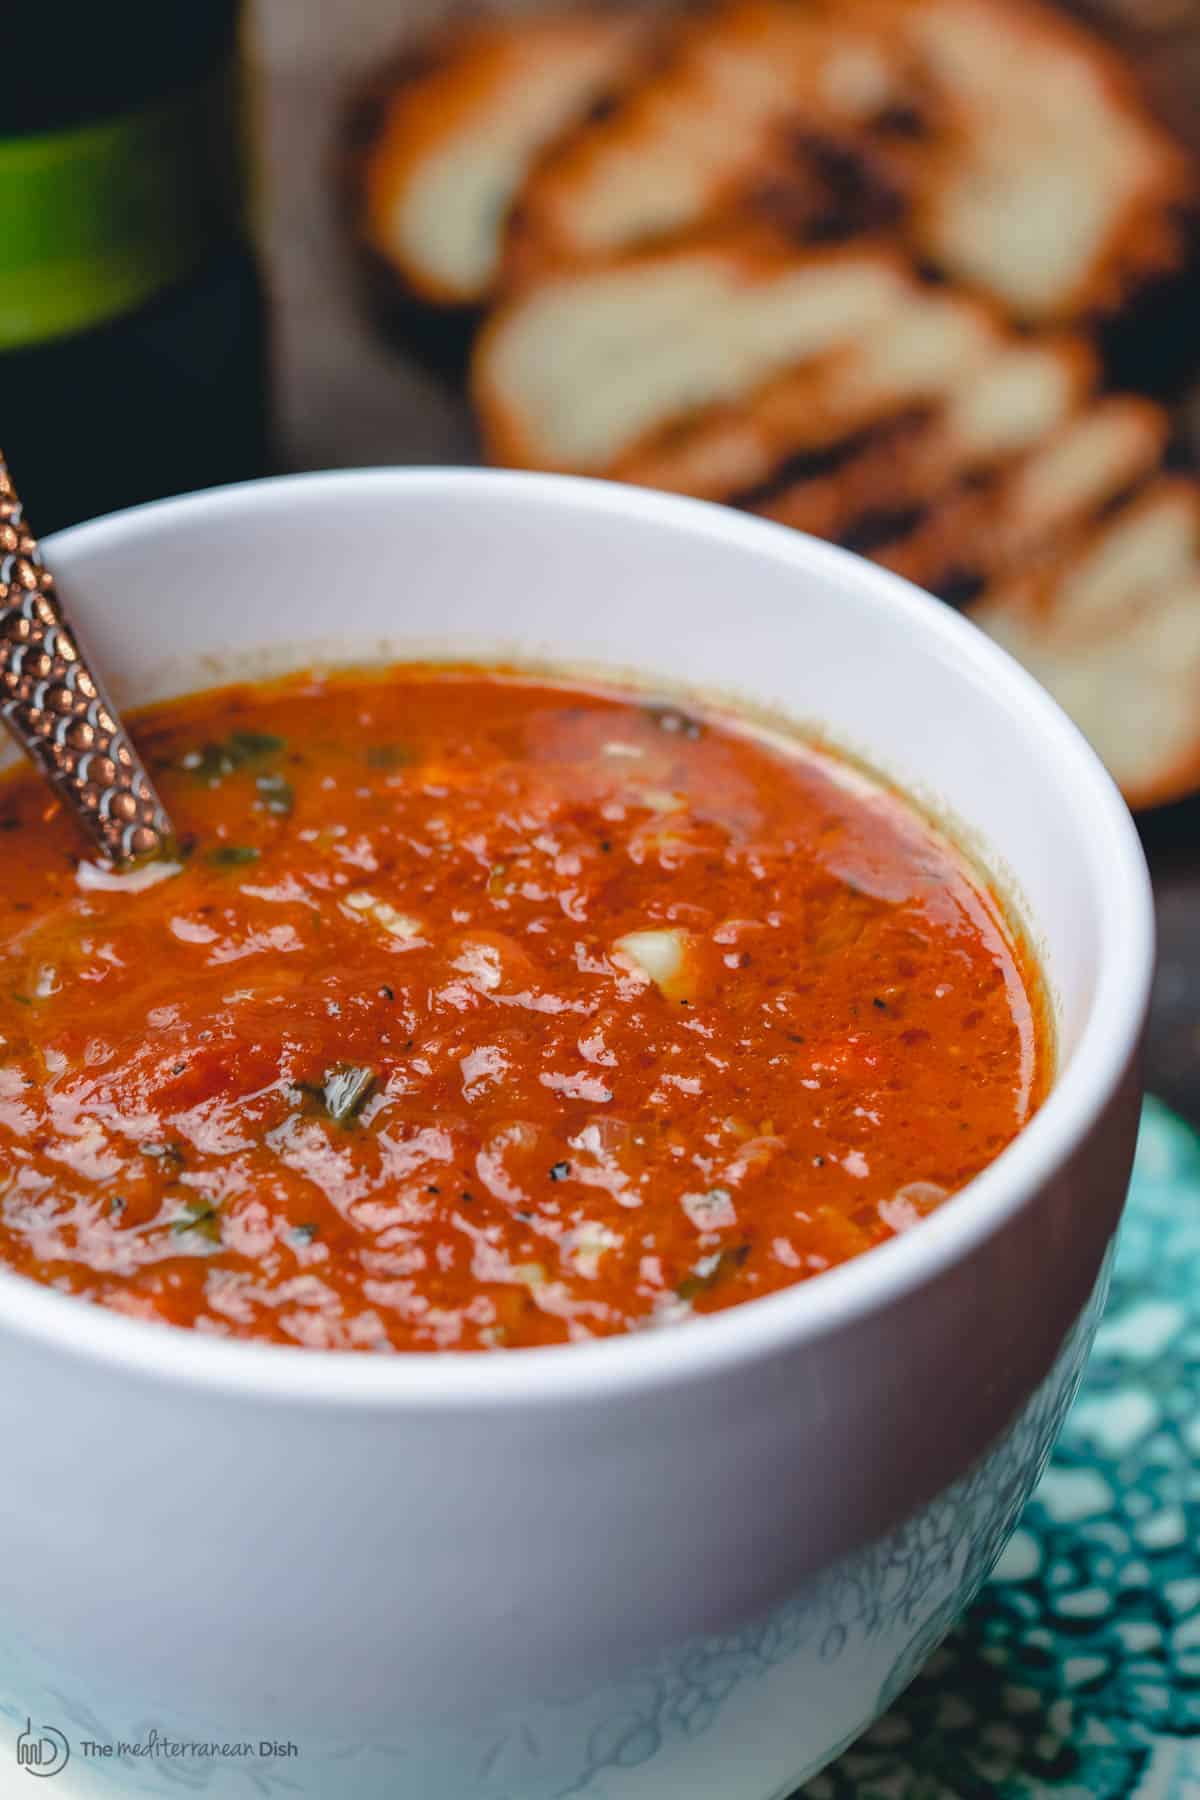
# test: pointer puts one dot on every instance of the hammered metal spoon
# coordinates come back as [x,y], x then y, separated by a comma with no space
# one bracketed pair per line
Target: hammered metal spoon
[56,708]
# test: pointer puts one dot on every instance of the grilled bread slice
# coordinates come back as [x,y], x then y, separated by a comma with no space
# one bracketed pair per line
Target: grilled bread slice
[891,417]
[740,112]
[453,135]
[1052,187]
[591,369]
[1010,144]
[905,362]
[1111,626]
[982,531]
[890,486]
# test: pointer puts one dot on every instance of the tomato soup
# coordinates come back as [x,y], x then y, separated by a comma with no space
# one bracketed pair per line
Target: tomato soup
[479,1010]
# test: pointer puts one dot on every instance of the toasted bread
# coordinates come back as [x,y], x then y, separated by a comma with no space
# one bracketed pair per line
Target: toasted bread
[907,363]
[1053,188]
[893,484]
[588,370]
[458,130]
[1112,628]
[981,531]
[1010,144]
[724,121]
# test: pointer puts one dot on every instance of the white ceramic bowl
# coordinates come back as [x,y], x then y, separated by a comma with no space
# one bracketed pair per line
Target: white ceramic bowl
[686,1563]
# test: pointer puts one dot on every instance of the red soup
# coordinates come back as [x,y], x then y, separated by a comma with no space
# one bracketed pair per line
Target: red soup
[480,1010]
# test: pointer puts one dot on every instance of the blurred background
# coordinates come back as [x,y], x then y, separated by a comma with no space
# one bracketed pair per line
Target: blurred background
[922,276]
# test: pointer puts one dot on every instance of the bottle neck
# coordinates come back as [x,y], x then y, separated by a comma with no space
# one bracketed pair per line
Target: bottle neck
[79,62]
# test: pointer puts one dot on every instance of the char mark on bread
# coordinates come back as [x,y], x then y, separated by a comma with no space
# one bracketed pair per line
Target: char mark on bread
[995,411]
[758,106]
[1025,511]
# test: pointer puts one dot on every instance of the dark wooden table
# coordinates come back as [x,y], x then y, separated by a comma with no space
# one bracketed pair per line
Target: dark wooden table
[1173,1043]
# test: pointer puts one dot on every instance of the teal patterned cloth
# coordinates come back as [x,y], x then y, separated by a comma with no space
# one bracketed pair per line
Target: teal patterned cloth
[1076,1675]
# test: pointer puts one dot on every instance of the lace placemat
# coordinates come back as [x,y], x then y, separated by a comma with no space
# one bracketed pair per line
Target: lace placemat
[1076,1675]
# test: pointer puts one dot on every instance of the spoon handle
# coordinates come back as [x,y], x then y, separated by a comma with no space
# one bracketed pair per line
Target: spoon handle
[56,708]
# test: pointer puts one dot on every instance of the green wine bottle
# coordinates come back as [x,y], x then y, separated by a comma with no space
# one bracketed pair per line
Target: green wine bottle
[132,341]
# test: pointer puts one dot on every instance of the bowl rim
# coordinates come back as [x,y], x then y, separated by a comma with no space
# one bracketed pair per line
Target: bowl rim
[719,1342]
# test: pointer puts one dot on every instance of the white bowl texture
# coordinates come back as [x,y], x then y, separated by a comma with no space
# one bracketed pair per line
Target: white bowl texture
[693,1562]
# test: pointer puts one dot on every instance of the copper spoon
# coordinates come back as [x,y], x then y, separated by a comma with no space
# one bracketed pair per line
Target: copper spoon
[56,708]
